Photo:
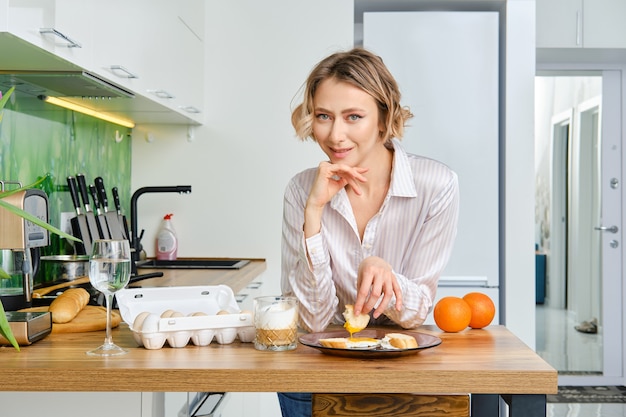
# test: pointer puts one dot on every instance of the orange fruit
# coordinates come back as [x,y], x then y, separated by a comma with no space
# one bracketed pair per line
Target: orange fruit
[452,314]
[483,309]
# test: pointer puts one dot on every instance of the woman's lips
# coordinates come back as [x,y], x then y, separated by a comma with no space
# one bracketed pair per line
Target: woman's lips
[340,153]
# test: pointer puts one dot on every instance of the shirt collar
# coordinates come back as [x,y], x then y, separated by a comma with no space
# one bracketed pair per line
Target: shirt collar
[402,183]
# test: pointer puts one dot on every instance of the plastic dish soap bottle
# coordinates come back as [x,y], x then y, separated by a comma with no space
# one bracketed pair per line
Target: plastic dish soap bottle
[167,242]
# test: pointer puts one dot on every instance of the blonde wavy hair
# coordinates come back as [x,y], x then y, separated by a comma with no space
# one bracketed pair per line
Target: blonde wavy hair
[362,69]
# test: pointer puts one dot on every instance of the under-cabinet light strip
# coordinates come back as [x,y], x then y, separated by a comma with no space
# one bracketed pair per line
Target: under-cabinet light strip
[81,109]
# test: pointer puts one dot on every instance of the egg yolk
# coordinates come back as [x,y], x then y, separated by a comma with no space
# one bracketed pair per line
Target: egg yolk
[351,329]
[362,339]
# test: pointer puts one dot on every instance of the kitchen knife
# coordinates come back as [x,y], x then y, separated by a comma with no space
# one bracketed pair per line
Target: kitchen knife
[113,223]
[94,228]
[102,223]
[120,216]
[80,228]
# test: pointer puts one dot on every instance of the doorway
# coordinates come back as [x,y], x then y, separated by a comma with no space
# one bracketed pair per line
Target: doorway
[579,320]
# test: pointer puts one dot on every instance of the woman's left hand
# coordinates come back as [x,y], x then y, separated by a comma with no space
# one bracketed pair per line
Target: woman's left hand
[376,279]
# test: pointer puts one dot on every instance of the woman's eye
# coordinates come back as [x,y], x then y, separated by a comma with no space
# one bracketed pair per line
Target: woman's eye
[322,116]
[354,117]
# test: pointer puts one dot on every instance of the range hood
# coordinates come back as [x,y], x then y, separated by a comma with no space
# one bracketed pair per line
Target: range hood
[36,72]
[76,84]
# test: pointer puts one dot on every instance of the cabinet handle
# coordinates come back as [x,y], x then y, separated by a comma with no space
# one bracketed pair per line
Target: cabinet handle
[190,109]
[162,94]
[126,73]
[52,31]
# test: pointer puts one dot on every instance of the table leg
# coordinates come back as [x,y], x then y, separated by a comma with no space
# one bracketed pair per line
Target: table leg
[529,405]
[485,404]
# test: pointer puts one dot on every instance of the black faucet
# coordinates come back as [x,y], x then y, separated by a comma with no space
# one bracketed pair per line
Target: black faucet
[136,242]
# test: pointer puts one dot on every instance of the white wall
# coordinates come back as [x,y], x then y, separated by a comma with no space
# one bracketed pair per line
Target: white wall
[258,54]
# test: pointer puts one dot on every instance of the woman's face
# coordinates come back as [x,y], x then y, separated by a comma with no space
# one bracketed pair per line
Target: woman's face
[346,123]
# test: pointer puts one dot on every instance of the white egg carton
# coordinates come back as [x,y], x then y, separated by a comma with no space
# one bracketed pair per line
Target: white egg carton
[178,315]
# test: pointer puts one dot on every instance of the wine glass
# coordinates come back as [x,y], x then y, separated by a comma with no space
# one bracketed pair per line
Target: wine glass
[109,272]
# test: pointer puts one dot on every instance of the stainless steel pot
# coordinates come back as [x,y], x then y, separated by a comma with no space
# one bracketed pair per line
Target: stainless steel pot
[64,267]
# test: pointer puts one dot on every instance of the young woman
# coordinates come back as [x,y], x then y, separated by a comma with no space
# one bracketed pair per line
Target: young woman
[371,226]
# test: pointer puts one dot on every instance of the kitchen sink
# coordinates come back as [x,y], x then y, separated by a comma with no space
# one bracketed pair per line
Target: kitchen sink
[193,264]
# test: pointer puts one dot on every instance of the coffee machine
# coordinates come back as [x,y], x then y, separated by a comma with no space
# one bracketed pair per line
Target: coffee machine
[20,241]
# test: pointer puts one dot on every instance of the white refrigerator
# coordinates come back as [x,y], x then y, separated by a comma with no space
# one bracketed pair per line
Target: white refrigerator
[447,64]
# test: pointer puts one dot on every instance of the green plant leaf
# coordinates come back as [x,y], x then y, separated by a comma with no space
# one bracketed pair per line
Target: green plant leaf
[7,193]
[24,214]
[5,329]
[5,97]
[19,212]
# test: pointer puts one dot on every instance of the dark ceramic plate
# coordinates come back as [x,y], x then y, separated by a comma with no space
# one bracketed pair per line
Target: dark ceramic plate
[424,341]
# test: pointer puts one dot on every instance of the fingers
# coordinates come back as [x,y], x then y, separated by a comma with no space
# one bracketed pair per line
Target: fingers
[376,287]
[341,172]
[333,177]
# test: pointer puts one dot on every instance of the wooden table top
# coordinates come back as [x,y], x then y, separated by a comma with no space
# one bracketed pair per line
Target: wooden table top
[487,361]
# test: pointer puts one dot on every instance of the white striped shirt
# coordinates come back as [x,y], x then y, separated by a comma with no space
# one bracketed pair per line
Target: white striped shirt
[414,232]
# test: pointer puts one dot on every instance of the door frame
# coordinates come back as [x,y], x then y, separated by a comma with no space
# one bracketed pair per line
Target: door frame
[560,142]
[613,290]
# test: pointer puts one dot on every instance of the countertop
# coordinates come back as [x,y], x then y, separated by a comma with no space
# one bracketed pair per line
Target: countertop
[237,279]
[490,360]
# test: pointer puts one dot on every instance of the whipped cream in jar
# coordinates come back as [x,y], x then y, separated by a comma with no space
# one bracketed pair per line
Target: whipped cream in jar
[276,323]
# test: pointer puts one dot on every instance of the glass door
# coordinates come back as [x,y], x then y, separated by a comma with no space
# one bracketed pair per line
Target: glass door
[578,205]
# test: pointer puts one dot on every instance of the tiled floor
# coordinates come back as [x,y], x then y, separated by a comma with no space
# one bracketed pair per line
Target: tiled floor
[586,410]
[571,351]
[565,348]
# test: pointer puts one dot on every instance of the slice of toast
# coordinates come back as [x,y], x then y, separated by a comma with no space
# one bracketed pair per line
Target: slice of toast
[354,324]
[401,340]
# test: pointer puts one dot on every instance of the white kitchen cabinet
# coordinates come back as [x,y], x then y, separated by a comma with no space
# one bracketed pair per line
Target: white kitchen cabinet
[62,27]
[603,24]
[153,48]
[149,48]
[559,23]
[77,404]
[580,24]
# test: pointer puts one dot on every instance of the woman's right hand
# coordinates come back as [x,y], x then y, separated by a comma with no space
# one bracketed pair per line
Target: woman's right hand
[329,180]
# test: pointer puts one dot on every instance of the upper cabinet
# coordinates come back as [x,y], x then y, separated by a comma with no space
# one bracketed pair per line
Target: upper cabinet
[52,26]
[580,24]
[148,47]
[153,48]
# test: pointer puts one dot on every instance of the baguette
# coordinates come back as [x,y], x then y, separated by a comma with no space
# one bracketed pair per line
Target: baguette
[66,306]
[401,340]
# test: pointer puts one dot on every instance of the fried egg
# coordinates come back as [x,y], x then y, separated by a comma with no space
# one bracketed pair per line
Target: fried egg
[361,342]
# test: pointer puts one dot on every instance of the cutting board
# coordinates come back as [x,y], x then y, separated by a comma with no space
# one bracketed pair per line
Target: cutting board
[90,319]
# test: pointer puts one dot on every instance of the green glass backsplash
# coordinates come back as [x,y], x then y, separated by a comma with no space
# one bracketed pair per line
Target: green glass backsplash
[37,138]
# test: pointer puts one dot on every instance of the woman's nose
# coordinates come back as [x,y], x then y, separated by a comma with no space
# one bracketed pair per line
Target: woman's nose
[337,131]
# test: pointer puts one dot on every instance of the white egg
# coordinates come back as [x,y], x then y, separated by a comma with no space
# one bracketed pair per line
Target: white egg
[138,323]
[167,313]
[151,324]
